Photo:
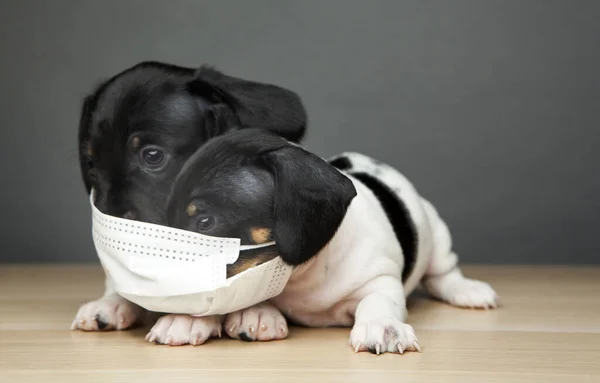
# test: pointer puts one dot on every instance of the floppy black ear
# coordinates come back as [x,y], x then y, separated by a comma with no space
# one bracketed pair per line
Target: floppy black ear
[255,105]
[311,200]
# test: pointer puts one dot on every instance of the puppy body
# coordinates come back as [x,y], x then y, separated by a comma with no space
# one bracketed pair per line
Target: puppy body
[361,236]
[363,255]
[362,277]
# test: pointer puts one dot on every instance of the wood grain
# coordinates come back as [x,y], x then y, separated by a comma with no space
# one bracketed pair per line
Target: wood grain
[547,330]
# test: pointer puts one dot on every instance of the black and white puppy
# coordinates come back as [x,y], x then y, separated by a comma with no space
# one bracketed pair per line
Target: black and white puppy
[358,232]
[139,127]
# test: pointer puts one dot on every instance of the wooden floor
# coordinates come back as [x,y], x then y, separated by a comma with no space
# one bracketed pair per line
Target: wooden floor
[548,330]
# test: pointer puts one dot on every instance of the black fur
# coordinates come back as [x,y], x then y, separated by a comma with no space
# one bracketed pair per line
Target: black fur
[399,217]
[254,178]
[172,111]
[243,336]
[102,324]
[341,163]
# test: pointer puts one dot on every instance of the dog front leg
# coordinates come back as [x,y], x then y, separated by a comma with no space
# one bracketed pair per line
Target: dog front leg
[379,320]
[110,312]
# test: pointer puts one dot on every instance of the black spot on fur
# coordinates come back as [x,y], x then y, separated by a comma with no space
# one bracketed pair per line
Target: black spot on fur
[390,333]
[399,217]
[243,336]
[341,163]
[102,324]
[372,350]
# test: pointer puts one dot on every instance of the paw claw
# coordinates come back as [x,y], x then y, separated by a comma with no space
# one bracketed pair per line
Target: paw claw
[152,337]
[357,347]
[377,348]
[416,346]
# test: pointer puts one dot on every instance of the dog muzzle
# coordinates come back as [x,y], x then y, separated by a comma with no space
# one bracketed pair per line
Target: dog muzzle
[169,270]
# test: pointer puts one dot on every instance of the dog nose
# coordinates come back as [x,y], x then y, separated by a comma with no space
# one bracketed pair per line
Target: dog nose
[130,214]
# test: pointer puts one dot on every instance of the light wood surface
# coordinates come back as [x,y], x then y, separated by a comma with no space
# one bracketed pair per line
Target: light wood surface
[548,330]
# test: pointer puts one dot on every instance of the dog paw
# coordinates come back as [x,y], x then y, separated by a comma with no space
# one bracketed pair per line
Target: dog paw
[261,322]
[180,329]
[463,292]
[383,335]
[107,313]
[473,294]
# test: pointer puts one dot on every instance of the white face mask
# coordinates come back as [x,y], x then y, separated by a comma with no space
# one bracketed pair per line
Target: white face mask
[176,271]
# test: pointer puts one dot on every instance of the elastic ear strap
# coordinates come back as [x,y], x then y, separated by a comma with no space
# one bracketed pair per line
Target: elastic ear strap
[252,247]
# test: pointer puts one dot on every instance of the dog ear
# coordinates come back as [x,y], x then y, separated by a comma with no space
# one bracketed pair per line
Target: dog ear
[311,200]
[218,120]
[255,105]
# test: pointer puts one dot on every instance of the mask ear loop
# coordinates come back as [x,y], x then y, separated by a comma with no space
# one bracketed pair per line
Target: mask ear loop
[252,247]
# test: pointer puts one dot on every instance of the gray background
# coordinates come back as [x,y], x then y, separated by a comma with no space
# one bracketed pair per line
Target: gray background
[490,107]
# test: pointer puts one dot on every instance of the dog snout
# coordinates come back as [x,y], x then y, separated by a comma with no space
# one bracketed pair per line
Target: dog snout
[100,201]
[109,204]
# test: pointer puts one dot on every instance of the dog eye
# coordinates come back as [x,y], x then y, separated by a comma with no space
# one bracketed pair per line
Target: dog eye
[153,157]
[205,222]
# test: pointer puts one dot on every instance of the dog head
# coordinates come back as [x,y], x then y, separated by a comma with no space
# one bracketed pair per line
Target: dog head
[254,185]
[138,128]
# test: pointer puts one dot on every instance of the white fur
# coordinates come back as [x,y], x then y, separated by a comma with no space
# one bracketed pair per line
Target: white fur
[177,330]
[356,279]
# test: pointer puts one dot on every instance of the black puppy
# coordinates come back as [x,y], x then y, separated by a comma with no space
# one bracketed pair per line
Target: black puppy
[138,128]
[359,233]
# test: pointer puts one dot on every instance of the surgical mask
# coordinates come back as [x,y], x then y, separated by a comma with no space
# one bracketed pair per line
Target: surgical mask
[169,270]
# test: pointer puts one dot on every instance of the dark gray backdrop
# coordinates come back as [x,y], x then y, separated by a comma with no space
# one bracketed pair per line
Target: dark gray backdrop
[490,107]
